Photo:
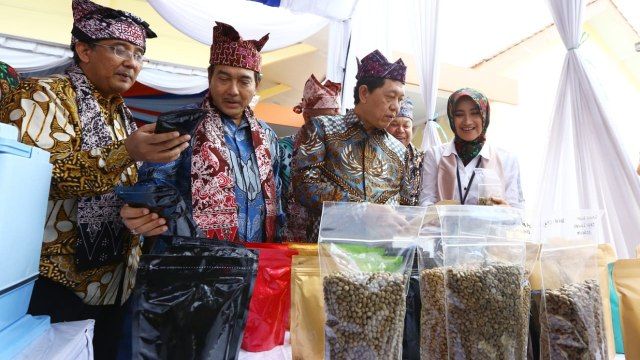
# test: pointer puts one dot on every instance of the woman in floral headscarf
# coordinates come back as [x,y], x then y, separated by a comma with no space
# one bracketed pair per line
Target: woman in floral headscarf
[449,171]
[9,79]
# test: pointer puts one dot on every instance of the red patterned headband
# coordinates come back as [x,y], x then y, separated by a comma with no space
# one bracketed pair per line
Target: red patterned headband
[319,96]
[93,22]
[228,48]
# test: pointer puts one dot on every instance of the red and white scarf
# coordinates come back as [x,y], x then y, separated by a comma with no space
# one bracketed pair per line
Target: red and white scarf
[212,183]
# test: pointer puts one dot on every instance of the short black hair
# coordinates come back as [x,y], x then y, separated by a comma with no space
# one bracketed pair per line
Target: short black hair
[371,83]
[256,75]
[76,58]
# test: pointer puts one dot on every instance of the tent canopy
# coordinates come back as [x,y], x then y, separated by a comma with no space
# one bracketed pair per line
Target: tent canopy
[178,62]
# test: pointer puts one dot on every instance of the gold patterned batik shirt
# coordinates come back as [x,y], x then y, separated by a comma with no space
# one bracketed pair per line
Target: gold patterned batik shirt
[46,114]
[337,160]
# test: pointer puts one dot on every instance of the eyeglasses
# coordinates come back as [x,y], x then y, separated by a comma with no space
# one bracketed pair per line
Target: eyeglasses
[124,53]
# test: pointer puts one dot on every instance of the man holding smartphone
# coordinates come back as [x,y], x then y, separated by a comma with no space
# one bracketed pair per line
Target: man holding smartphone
[230,171]
[88,258]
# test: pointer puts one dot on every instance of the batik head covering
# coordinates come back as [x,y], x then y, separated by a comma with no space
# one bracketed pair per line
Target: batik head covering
[377,66]
[467,150]
[228,48]
[319,96]
[406,108]
[93,22]
[9,79]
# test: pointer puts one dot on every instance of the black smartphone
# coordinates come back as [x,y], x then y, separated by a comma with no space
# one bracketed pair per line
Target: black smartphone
[183,121]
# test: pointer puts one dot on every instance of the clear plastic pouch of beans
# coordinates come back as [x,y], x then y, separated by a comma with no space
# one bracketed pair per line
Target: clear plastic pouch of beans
[473,283]
[486,298]
[433,329]
[571,312]
[366,253]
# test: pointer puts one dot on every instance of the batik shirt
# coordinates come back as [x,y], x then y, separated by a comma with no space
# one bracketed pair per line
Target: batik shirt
[286,146]
[337,160]
[244,166]
[414,163]
[239,192]
[45,112]
[296,215]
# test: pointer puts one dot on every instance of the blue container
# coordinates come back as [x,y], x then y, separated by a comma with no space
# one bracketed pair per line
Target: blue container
[25,177]
[17,337]
[14,301]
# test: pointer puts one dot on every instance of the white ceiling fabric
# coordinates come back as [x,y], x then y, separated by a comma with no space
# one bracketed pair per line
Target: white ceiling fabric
[32,58]
[253,20]
[339,10]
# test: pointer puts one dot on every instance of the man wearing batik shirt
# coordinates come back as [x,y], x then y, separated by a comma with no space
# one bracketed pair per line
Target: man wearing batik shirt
[233,158]
[89,258]
[318,99]
[402,129]
[352,157]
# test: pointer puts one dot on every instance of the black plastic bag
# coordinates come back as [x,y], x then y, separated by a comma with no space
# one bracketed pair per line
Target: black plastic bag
[533,350]
[188,246]
[165,200]
[193,306]
[183,121]
[411,336]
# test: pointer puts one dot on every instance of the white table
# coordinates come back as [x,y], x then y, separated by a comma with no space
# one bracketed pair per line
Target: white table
[282,352]
[73,340]
[63,341]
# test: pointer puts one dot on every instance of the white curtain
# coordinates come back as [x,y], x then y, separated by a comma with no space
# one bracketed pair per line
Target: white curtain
[370,28]
[340,12]
[585,165]
[339,35]
[196,18]
[424,16]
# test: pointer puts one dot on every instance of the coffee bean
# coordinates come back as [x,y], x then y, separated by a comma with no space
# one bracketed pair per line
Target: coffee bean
[365,320]
[573,327]
[477,312]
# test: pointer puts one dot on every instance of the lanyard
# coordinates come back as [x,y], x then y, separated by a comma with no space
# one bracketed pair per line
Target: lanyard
[464,198]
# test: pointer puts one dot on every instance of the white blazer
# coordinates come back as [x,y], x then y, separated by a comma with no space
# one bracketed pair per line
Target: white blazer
[506,165]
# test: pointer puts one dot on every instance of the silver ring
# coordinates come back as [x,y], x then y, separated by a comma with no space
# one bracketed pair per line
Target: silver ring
[133,232]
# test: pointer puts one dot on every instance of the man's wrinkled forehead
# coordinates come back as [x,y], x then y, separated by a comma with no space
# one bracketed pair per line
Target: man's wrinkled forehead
[393,87]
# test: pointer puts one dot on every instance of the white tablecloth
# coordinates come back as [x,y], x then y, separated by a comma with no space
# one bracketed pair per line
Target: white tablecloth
[72,341]
[63,341]
[282,352]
